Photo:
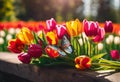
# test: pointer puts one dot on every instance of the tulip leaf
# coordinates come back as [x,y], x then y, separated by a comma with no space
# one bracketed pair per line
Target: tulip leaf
[97,57]
[47,61]
[110,62]
[35,38]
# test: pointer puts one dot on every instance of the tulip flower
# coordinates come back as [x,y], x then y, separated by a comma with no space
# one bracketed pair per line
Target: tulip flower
[52,38]
[108,27]
[117,40]
[2,33]
[51,24]
[53,53]
[100,46]
[35,50]
[61,31]
[24,57]
[15,45]
[74,28]
[1,26]
[82,62]
[100,36]
[115,54]
[90,28]
[26,36]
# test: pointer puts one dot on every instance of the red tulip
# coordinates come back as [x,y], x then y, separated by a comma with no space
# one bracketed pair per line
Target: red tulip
[90,28]
[51,24]
[61,31]
[35,50]
[24,57]
[1,26]
[15,45]
[51,52]
[115,54]
[108,26]
[100,36]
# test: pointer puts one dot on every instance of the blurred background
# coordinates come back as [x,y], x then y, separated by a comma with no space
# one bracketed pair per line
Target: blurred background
[61,10]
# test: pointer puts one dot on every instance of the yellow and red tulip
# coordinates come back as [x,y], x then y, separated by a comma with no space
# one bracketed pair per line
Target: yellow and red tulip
[15,45]
[52,38]
[82,62]
[26,36]
[51,52]
[74,28]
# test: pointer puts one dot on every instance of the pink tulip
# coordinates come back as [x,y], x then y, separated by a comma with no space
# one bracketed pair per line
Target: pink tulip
[51,24]
[108,26]
[61,31]
[35,50]
[115,54]
[25,58]
[100,36]
[90,28]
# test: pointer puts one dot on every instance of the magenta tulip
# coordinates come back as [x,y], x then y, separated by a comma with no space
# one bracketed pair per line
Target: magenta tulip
[35,50]
[108,26]
[24,57]
[90,28]
[115,54]
[51,24]
[61,31]
[100,36]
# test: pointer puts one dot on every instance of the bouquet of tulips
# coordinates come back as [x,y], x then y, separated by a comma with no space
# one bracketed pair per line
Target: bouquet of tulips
[83,45]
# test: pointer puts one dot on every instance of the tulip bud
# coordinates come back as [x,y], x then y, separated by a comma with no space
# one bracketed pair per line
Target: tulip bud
[108,26]
[61,31]
[100,46]
[107,41]
[2,33]
[24,57]
[35,50]
[9,37]
[111,38]
[81,41]
[11,31]
[117,40]
[51,24]
[115,54]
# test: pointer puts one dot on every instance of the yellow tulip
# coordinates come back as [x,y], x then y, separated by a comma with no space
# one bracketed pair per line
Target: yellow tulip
[26,36]
[74,28]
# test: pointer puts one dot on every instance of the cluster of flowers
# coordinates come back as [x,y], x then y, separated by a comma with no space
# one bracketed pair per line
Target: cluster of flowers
[85,46]
[8,30]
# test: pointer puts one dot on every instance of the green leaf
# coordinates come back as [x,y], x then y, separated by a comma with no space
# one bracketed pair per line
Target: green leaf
[110,62]
[97,57]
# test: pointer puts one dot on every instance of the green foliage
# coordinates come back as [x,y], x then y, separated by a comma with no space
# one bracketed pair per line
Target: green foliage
[7,12]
